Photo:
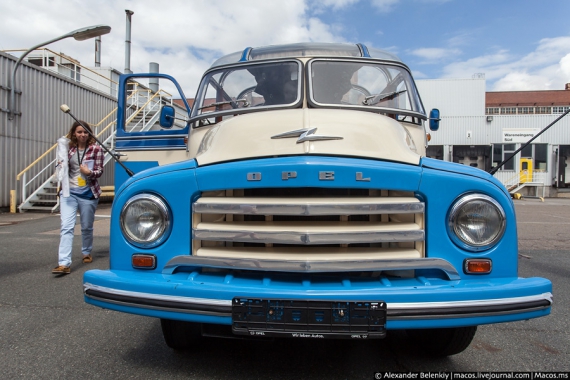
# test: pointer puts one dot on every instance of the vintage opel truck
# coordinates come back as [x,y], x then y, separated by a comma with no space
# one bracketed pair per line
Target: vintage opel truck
[295,199]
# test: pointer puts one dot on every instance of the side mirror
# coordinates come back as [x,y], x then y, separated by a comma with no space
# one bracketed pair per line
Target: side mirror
[434,119]
[166,117]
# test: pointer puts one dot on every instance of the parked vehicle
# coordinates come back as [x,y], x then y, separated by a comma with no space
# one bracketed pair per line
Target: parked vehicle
[301,205]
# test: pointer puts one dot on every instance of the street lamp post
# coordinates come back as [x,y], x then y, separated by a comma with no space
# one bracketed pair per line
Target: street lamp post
[79,34]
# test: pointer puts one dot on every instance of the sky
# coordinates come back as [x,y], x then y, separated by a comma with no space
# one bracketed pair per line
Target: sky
[519,45]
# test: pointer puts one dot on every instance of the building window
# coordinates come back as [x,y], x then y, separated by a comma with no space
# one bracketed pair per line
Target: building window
[538,153]
[502,151]
[509,111]
[72,71]
[493,111]
[543,110]
[525,110]
[540,156]
[560,109]
[36,61]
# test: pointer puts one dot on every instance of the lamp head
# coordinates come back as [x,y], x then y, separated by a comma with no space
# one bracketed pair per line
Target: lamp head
[90,32]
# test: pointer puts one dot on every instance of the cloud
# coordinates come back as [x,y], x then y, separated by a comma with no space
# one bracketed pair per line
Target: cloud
[184,38]
[431,55]
[334,4]
[552,77]
[546,68]
[384,5]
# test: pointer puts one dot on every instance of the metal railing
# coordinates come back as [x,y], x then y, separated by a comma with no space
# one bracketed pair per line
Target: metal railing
[46,162]
[67,66]
[536,177]
[144,106]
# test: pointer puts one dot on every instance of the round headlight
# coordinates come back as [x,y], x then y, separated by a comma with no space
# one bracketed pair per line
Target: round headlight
[476,222]
[145,220]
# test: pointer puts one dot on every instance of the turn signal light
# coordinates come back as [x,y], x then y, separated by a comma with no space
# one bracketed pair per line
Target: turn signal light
[141,261]
[477,266]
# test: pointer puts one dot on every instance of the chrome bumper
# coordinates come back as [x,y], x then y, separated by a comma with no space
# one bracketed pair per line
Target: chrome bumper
[395,310]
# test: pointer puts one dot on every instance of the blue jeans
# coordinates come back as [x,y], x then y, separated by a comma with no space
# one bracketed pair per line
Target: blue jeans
[68,208]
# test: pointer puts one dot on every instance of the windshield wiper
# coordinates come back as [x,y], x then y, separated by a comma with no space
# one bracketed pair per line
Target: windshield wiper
[232,102]
[373,99]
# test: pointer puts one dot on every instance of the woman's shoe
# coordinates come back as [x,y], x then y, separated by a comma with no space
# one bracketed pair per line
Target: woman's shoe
[87,259]
[60,269]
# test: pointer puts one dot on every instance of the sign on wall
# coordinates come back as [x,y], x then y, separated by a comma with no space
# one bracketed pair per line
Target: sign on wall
[519,135]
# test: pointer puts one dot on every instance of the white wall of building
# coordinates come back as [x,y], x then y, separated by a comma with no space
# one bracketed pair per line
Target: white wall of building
[453,97]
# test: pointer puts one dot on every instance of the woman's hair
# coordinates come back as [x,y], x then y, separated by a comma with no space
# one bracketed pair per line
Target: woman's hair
[71,133]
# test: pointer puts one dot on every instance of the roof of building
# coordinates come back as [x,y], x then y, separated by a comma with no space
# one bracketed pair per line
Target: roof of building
[527,98]
[305,49]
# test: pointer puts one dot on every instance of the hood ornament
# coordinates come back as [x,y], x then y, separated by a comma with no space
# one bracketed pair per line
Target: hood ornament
[305,134]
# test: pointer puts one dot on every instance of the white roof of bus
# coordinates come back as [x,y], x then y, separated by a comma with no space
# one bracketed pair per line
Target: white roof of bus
[306,49]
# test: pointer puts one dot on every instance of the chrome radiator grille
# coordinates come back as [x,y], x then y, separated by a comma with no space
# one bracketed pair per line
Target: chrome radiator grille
[308,224]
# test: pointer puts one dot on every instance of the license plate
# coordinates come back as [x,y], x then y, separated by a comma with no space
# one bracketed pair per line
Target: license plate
[308,319]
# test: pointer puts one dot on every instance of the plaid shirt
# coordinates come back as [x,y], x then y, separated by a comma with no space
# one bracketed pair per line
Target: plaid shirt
[94,152]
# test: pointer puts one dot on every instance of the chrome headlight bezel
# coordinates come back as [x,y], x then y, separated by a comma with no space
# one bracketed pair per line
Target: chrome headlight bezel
[453,222]
[163,212]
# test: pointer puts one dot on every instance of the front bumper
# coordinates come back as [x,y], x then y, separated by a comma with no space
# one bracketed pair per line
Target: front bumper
[411,303]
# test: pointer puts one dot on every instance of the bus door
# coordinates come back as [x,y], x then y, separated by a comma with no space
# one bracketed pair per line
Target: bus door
[152,123]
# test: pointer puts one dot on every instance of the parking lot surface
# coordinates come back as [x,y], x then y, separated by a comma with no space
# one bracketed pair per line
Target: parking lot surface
[47,331]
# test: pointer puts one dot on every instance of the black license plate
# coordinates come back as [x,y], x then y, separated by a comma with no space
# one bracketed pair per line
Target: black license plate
[308,319]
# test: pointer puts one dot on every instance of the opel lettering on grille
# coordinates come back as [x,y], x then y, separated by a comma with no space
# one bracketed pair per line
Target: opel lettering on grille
[322,176]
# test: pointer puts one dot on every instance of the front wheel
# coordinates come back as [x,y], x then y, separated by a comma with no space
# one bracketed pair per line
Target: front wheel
[180,335]
[443,342]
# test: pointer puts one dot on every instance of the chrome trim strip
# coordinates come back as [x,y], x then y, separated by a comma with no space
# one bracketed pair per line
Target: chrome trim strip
[130,149]
[491,307]
[278,235]
[152,137]
[311,266]
[490,302]
[276,206]
[477,308]
[190,300]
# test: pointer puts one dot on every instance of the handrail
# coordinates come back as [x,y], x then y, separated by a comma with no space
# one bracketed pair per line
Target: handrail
[55,145]
[538,176]
[143,107]
[35,162]
[75,62]
[148,108]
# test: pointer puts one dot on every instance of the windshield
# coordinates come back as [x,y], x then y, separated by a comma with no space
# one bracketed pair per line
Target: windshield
[249,87]
[366,85]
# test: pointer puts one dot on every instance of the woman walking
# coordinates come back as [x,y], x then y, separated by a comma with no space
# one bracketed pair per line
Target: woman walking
[85,163]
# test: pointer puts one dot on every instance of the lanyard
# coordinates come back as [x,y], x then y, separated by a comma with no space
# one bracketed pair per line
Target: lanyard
[79,161]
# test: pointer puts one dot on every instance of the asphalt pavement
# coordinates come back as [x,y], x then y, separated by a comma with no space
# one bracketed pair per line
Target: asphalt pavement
[47,331]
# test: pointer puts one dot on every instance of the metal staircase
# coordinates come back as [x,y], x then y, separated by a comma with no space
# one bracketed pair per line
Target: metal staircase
[38,182]
[524,179]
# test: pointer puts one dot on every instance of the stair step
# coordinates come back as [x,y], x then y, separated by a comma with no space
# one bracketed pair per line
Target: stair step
[43,201]
[43,208]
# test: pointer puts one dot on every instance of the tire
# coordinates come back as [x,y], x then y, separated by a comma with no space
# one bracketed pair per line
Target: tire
[443,342]
[180,335]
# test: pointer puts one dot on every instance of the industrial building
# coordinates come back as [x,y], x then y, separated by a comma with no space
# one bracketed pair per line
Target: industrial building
[481,129]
